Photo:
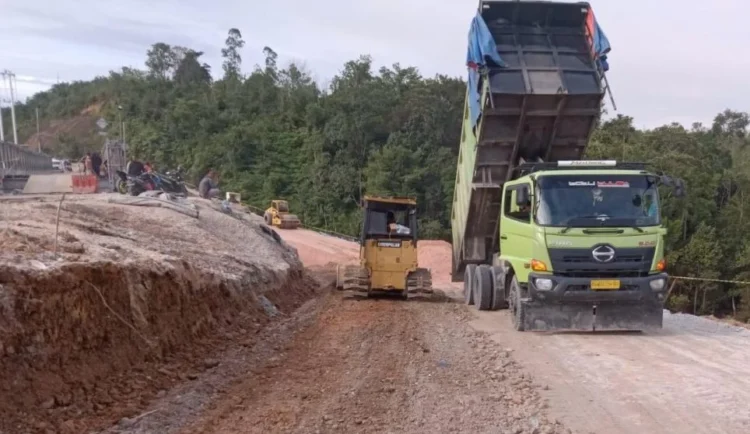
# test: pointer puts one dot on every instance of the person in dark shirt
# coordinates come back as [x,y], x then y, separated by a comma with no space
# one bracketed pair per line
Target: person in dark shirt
[135,168]
[96,163]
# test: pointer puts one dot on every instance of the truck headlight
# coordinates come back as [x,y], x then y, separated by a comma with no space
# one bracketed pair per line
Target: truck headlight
[656,284]
[543,284]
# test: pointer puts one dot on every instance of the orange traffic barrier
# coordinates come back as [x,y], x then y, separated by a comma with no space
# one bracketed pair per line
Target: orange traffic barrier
[85,184]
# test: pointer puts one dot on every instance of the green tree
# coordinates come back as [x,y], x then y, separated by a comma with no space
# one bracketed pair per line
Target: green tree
[191,71]
[160,60]
[231,53]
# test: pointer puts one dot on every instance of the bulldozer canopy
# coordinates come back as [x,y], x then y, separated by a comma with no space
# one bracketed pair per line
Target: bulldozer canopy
[388,200]
[379,214]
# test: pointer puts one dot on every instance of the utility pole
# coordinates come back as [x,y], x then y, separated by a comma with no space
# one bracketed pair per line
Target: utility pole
[38,136]
[2,132]
[122,124]
[11,78]
[13,106]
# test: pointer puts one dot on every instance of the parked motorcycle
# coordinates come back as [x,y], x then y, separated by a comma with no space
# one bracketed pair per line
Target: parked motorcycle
[173,182]
[133,185]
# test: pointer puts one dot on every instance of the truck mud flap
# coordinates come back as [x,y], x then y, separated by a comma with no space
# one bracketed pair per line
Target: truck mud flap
[589,317]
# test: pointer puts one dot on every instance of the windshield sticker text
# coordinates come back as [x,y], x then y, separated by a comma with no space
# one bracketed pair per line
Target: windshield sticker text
[615,184]
[581,183]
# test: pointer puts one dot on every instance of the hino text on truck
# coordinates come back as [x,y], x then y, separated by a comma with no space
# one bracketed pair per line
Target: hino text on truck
[563,243]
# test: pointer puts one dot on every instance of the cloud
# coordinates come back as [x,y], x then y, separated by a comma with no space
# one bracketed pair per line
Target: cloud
[669,63]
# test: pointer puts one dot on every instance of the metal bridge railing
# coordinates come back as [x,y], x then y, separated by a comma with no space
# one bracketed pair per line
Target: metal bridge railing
[19,160]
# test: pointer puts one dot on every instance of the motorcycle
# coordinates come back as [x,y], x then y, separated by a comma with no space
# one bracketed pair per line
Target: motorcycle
[171,182]
[133,185]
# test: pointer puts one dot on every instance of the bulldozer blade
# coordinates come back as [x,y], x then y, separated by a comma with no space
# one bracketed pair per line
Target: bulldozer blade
[590,317]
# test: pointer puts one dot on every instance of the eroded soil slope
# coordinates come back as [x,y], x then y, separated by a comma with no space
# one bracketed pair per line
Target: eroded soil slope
[133,301]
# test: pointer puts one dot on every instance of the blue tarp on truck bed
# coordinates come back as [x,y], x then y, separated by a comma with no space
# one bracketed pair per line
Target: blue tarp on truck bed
[482,50]
[601,43]
[481,46]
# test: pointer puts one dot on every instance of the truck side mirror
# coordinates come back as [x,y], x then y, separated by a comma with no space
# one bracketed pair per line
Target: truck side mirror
[522,196]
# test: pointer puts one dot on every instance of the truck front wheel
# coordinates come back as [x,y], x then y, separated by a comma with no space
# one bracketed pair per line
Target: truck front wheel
[516,306]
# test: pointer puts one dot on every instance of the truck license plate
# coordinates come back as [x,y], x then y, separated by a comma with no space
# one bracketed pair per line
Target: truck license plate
[605,285]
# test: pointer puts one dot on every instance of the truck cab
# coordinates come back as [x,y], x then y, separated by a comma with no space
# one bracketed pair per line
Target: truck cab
[583,248]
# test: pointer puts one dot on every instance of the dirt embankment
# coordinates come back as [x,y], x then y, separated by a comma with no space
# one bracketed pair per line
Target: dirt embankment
[135,300]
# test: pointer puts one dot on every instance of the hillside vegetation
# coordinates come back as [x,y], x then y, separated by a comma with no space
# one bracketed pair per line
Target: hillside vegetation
[274,133]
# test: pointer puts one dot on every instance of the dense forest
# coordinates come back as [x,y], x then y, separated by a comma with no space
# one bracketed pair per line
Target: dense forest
[275,133]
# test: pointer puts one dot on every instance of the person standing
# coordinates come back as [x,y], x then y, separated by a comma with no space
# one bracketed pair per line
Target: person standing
[86,160]
[96,163]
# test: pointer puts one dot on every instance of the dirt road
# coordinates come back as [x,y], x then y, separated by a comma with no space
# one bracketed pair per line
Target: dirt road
[372,366]
[692,377]
[349,365]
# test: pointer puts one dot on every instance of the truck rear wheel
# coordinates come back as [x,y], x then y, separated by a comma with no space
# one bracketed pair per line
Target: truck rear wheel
[516,306]
[483,287]
[469,284]
[499,295]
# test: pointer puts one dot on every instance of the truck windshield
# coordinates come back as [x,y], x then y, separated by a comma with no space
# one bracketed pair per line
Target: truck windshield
[597,200]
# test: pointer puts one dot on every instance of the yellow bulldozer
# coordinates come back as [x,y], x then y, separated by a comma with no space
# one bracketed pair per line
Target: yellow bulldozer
[278,215]
[388,260]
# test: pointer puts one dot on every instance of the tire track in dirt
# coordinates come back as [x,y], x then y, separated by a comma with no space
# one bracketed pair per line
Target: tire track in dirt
[384,365]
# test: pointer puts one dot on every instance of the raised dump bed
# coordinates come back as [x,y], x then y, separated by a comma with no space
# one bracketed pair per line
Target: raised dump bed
[536,85]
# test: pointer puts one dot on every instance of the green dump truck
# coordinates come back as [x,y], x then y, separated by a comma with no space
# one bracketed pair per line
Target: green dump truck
[563,243]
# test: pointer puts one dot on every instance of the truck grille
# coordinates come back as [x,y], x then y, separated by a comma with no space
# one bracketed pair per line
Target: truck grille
[628,262]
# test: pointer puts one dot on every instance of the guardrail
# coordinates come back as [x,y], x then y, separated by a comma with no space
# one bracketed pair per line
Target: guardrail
[19,160]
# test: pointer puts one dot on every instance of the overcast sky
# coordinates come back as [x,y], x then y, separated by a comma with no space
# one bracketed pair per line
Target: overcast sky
[670,62]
